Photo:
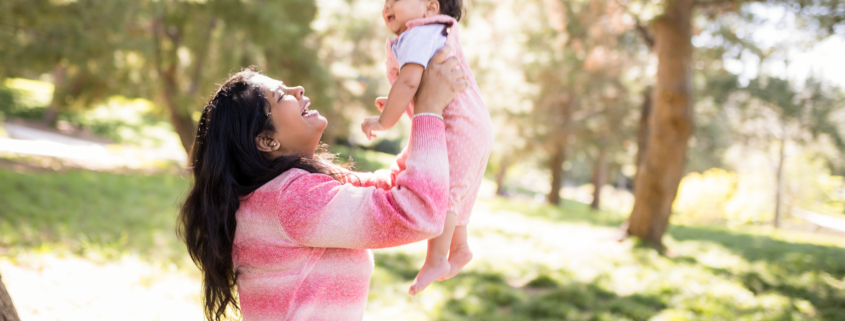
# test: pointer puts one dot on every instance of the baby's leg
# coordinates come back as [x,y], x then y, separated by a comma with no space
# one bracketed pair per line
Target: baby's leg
[436,258]
[459,253]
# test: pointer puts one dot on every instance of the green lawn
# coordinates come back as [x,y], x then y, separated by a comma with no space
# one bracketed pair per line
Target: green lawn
[533,262]
[99,215]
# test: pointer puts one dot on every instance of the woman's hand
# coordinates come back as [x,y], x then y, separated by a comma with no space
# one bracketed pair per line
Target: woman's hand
[440,82]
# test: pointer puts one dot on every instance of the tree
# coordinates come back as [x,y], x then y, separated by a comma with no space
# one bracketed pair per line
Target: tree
[671,122]
[189,46]
[7,309]
[578,66]
[801,115]
[73,41]
[171,51]
[670,125]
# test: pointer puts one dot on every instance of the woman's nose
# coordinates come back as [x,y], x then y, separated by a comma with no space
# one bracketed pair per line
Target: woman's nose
[297,92]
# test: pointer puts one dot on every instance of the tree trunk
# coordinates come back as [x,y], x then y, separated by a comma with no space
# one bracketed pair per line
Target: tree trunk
[180,118]
[779,186]
[7,309]
[52,112]
[599,177]
[500,176]
[556,166]
[670,126]
[642,133]
[182,122]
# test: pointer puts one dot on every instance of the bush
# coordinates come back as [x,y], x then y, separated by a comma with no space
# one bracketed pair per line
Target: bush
[702,198]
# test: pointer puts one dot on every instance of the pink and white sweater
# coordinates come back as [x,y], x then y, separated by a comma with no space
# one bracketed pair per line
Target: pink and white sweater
[302,240]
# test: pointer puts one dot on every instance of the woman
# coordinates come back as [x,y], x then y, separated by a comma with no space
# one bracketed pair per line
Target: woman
[286,226]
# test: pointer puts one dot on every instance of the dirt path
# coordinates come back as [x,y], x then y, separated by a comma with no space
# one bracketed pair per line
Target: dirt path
[95,154]
[45,287]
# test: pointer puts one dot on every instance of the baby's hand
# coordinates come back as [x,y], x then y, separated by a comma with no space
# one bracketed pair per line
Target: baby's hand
[380,103]
[369,125]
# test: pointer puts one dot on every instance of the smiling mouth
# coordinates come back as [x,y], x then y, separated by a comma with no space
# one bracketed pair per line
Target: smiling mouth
[305,112]
[390,18]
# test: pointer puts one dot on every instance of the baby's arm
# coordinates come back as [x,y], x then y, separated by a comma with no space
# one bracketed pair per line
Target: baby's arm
[401,94]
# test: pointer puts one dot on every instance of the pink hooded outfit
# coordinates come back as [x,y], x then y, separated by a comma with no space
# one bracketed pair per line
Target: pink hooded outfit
[469,130]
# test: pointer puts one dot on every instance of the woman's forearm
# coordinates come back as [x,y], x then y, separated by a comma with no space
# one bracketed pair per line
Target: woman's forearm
[318,211]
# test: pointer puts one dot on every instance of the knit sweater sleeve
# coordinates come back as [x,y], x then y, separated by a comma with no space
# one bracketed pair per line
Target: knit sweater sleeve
[318,211]
[382,179]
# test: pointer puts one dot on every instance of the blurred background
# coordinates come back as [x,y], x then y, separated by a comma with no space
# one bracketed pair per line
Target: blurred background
[654,159]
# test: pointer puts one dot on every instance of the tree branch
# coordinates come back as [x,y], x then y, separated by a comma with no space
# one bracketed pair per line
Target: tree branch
[641,29]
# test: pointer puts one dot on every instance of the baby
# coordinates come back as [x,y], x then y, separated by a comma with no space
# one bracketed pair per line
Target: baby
[423,27]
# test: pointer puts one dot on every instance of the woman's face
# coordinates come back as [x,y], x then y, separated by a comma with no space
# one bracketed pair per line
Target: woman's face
[298,128]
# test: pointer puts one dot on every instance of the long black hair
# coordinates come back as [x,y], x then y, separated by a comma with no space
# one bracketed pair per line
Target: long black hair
[227,165]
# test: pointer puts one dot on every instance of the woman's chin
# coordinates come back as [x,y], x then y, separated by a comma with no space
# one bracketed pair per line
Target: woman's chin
[319,121]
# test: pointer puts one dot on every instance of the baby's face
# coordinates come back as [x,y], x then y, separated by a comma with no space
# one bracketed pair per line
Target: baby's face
[397,13]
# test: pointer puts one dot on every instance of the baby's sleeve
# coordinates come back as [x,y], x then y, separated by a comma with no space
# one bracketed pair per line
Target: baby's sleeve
[419,44]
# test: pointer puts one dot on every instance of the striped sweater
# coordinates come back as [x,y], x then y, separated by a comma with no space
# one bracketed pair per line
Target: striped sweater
[302,240]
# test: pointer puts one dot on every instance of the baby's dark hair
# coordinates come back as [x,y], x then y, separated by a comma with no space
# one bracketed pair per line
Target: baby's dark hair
[453,8]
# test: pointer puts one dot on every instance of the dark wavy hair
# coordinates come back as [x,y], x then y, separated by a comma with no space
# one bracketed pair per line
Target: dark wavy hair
[452,8]
[226,166]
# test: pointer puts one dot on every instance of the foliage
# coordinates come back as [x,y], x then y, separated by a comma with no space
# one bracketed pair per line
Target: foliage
[23,98]
[171,52]
[717,196]
[36,37]
[702,198]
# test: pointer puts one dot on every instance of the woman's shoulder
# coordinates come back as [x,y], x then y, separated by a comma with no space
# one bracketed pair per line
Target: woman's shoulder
[284,181]
[298,177]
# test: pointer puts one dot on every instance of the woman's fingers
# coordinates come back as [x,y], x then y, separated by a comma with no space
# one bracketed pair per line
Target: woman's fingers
[459,85]
[451,62]
[456,76]
[440,55]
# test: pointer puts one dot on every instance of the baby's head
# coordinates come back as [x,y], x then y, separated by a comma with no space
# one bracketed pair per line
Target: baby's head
[397,13]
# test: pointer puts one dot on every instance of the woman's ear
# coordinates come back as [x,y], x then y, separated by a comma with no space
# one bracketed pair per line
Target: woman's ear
[432,8]
[266,144]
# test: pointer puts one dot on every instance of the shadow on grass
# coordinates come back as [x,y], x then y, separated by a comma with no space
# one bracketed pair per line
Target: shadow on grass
[797,270]
[474,295]
[792,257]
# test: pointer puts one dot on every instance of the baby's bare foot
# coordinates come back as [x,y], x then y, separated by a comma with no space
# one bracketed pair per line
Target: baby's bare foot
[431,270]
[459,256]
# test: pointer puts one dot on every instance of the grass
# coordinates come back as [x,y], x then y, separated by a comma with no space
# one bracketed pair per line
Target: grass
[537,262]
[99,215]
[533,262]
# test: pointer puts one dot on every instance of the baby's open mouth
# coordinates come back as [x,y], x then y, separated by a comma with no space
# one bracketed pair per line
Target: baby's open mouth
[390,18]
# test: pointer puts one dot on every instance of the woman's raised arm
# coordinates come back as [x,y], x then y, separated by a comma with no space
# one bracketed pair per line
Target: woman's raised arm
[318,211]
